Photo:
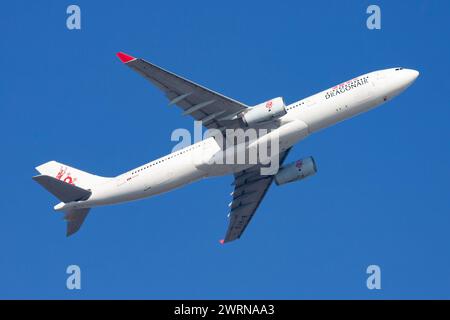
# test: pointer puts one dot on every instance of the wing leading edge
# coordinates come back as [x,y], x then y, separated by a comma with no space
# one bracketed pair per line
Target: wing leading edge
[213,109]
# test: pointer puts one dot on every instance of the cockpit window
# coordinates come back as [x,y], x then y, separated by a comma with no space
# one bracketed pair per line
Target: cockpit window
[397,69]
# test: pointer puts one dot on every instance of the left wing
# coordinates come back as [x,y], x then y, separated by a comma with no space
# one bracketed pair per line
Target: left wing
[212,108]
[250,187]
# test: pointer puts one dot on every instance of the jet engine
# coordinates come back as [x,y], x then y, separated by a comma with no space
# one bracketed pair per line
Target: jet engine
[297,170]
[265,111]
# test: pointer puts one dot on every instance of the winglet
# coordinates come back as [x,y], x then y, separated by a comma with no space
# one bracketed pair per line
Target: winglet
[125,58]
[222,241]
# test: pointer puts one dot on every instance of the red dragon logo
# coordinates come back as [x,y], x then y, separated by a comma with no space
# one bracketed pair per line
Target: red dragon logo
[68,179]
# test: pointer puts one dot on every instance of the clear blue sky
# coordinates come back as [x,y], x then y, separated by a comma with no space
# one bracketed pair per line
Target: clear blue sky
[381,195]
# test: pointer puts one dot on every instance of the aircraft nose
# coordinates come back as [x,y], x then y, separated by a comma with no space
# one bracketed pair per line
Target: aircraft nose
[404,78]
[412,75]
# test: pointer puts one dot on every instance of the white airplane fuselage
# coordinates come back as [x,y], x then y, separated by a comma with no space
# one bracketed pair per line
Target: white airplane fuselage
[303,117]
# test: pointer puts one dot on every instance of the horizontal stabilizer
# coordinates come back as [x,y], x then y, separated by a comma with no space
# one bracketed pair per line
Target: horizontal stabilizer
[75,218]
[64,191]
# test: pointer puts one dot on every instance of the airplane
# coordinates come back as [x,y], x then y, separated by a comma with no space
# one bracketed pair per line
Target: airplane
[80,191]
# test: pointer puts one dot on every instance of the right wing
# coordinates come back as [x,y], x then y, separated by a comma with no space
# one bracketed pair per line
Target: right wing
[213,109]
[250,187]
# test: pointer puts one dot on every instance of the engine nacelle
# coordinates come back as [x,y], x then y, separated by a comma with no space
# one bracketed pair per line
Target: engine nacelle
[265,111]
[297,170]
